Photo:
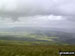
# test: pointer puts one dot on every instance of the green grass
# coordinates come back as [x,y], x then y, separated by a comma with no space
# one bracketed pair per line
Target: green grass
[33,50]
[26,42]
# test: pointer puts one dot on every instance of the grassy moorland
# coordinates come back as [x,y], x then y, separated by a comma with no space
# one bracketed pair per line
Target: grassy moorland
[33,50]
[35,44]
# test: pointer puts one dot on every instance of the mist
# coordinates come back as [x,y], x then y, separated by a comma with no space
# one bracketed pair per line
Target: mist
[37,13]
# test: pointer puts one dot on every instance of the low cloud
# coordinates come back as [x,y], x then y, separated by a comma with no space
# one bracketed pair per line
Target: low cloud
[37,13]
[39,21]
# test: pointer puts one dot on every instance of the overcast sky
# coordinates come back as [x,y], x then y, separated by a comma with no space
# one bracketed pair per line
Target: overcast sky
[37,13]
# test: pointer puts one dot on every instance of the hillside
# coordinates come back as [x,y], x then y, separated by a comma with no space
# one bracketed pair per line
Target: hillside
[35,35]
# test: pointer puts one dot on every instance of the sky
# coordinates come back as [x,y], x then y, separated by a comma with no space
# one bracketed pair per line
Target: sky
[37,13]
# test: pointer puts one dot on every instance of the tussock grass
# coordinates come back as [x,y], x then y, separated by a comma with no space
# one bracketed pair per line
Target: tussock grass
[33,50]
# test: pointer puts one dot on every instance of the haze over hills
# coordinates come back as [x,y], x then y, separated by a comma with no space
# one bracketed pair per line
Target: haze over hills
[30,34]
[50,21]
